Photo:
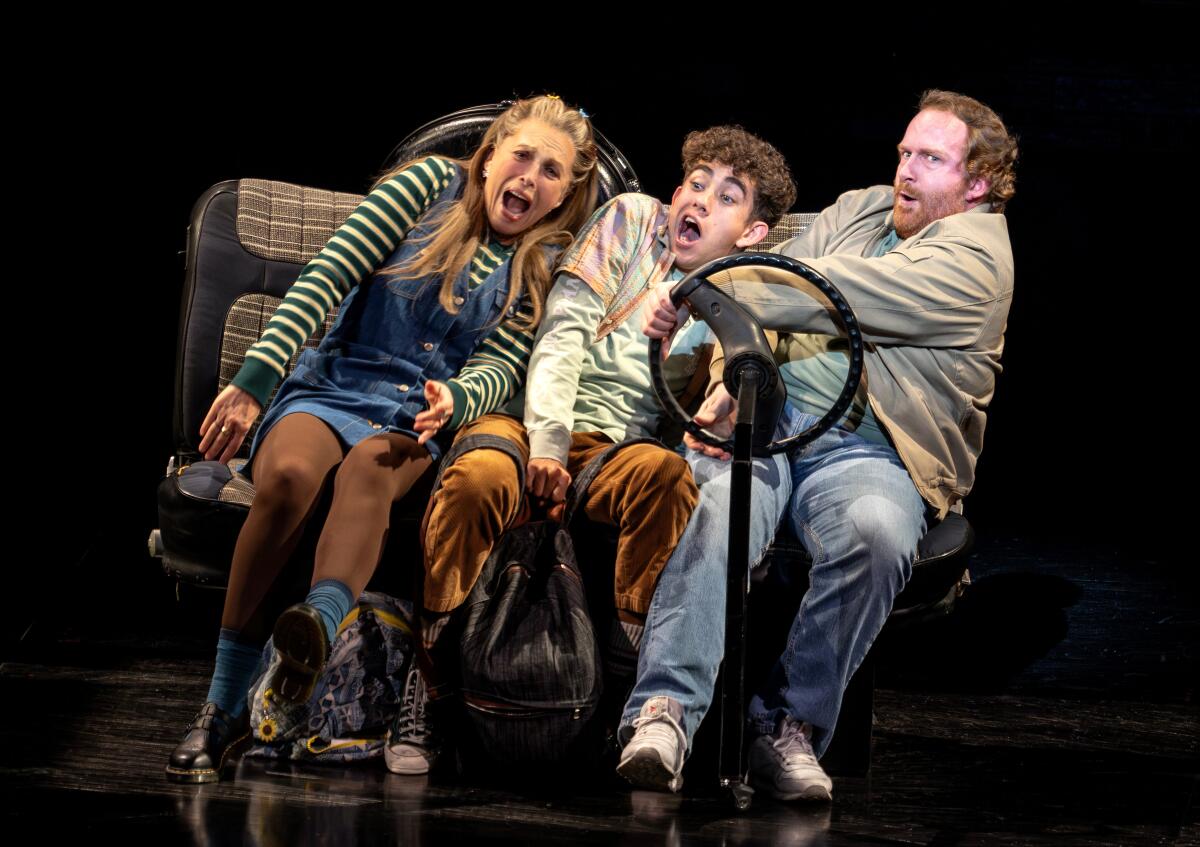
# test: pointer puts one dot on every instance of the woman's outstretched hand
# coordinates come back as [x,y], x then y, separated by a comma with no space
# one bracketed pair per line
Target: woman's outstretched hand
[227,422]
[439,413]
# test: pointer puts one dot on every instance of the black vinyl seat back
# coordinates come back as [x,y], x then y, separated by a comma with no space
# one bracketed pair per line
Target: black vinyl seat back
[459,134]
[247,242]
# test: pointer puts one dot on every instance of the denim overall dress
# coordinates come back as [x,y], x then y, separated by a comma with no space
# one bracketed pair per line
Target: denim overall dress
[368,375]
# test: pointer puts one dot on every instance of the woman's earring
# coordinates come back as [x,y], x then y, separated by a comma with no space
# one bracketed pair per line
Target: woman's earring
[485,173]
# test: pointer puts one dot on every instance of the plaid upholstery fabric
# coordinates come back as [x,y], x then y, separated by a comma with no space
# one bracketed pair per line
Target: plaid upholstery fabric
[789,226]
[279,222]
[238,490]
[289,223]
[244,325]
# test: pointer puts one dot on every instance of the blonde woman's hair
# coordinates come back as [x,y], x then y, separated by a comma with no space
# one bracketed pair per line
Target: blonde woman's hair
[462,225]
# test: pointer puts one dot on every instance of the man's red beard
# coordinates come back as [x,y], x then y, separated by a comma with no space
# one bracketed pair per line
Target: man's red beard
[930,208]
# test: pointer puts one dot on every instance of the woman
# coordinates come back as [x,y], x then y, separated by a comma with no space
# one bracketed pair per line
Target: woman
[454,261]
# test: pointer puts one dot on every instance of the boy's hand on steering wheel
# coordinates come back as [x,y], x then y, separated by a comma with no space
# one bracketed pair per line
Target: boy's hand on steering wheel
[717,416]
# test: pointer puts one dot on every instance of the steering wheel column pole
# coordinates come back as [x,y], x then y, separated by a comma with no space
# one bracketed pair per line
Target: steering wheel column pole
[752,375]
[733,687]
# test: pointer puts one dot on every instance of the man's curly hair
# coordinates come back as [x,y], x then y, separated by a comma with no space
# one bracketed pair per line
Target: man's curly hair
[991,149]
[749,156]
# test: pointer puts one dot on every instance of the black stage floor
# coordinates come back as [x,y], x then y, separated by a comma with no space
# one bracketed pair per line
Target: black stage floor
[1056,705]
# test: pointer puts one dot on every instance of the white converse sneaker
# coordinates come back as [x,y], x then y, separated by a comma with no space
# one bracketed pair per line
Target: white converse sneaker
[412,745]
[784,765]
[653,758]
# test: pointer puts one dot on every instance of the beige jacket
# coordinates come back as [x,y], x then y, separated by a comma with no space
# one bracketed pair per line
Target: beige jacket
[933,312]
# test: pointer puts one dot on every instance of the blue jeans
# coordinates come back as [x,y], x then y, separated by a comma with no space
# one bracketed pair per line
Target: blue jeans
[853,506]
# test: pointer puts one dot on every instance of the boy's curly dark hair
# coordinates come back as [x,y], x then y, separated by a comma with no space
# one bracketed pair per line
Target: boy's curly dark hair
[747,155]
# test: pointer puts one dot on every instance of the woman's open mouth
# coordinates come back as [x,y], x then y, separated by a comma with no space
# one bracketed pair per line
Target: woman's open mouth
[514,204]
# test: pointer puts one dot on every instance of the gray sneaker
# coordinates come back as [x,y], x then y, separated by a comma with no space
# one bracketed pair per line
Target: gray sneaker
[412,745]
[784,765]
[653,758]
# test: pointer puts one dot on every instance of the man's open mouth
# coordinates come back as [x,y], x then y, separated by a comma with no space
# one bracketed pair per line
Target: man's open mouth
[689,230]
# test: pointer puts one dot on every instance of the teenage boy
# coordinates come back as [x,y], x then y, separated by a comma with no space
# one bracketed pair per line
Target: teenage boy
[589,386]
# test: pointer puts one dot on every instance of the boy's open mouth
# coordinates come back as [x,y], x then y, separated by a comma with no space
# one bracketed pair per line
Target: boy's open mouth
[689,230]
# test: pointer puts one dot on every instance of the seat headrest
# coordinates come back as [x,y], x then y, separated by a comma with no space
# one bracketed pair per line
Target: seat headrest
[459,133]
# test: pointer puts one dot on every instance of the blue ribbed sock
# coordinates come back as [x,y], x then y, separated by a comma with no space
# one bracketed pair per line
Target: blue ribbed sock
[332,598]
[236,664]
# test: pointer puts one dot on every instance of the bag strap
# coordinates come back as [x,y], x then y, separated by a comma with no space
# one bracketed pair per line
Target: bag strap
[476,442]
[577,493]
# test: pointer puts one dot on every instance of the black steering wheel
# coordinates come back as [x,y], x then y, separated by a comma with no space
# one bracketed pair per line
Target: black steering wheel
[746,351]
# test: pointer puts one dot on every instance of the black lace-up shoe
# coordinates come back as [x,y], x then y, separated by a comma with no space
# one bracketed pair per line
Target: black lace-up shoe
[207,743]
[303,648]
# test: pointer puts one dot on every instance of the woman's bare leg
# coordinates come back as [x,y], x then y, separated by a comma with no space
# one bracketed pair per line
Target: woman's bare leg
[375,474]
[290,470]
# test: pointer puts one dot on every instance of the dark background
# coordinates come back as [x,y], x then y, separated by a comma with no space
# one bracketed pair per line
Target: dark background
[1089,437]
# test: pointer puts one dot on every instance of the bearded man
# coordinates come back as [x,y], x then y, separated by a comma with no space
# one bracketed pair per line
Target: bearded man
[927,266]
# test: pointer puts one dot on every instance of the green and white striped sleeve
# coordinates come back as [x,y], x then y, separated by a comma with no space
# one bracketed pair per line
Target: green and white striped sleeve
[494,372]
[357,249]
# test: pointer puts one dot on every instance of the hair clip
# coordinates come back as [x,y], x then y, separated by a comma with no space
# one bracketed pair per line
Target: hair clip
[578,109]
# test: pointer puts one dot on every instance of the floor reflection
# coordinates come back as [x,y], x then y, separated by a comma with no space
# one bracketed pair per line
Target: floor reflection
[1057,707]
